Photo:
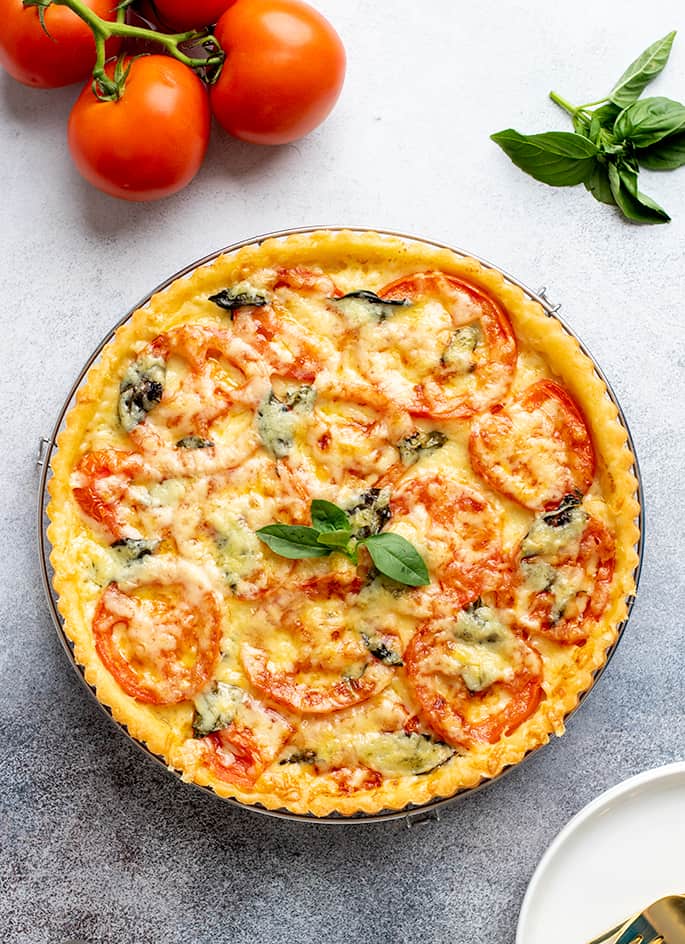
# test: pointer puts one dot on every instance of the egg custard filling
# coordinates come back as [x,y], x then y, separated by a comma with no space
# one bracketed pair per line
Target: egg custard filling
[437,407]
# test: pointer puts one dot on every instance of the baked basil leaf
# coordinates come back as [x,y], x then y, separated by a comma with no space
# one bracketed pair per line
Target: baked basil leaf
[558,158]
[645,122]
[395,557]
[634,205]
[293,541]
[194,442]
[667,154]
[239,296]
[327,517]
[640,73]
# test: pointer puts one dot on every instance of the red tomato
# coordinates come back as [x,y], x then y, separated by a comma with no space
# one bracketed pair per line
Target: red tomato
[536,449]
[456,714]
[241,752]
[67,55]
[462,389]
[561,593]
[185,15]
[172,658]
[151,142]
[457,529]
[103,478]
[284,70]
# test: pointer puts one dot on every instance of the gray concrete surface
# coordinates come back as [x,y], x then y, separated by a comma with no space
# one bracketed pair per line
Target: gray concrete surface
[98,844]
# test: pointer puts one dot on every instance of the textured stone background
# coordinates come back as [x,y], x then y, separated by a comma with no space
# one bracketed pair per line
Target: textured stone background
[101,845]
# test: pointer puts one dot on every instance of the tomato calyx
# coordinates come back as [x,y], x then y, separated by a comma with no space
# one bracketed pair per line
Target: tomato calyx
[108,87]
[41,6]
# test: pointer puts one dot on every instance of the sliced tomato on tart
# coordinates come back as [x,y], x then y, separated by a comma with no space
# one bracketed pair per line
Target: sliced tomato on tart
[475,679]
[436,345]
[160,642]
[536,448]
[562,573]
[456,529]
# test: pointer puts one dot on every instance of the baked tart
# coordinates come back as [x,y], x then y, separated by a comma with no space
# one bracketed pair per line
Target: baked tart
[342,522]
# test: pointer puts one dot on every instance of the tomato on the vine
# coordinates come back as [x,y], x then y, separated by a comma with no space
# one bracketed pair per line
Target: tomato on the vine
[62,53]
[185,15]
[151,142]
[284,70]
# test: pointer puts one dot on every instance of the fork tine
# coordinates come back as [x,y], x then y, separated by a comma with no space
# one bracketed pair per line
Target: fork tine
[639,931]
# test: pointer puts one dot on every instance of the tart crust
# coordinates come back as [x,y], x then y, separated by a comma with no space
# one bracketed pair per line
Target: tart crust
[372,260]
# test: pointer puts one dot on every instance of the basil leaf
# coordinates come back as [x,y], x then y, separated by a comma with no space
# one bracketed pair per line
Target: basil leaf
[641,72]
[328,517]
[558,158]
[335,539]
[645,122]
[599,186]
[667,154]
[634,205]
[397,558]
[240,296]
[293,541]
[371,297]
[602,123]
[581,124]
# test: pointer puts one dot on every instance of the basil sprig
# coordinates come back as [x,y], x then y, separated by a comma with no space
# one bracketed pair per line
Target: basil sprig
[611,140]
[331,530]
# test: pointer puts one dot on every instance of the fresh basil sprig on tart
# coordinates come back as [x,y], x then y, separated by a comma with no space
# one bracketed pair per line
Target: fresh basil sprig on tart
[612,139]
[332,530]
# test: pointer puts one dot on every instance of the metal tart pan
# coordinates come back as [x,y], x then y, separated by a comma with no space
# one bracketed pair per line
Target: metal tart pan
[411,814]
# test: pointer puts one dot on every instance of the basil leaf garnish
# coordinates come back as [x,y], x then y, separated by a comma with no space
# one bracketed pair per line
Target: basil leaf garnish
[328,517]
[558,158]
[332,530]
[296,542]
[395,557]
[336,540]
[641,72]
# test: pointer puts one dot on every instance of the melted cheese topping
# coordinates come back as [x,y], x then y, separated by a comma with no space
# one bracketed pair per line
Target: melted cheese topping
[247,436]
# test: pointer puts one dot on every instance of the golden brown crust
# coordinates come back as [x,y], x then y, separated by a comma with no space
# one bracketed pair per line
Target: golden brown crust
[565,679]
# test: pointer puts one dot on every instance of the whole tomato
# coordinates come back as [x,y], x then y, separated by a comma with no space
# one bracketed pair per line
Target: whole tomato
[64,56]
[152,141]
[284,70]
[185,15]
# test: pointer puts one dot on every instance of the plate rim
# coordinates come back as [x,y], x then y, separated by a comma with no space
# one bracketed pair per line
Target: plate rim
[607,797]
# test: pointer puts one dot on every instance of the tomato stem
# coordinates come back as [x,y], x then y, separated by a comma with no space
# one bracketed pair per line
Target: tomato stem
[107,88]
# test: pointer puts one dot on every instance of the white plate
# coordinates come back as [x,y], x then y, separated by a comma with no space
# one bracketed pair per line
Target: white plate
[621,852]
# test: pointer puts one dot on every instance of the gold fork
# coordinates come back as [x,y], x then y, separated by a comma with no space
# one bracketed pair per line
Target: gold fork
[663,921]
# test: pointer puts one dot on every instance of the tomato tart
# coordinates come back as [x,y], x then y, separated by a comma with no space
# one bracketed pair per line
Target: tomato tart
[261,462]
